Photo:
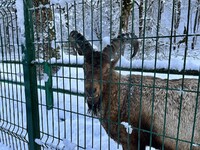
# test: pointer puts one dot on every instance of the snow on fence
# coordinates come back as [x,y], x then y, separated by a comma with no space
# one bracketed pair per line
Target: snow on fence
[42,99]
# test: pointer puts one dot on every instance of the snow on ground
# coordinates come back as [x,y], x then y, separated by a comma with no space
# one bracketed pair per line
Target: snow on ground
[176,63]
[3,147]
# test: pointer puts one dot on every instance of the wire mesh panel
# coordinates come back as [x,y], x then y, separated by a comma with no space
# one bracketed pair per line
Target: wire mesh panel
[61,85]
[13,127]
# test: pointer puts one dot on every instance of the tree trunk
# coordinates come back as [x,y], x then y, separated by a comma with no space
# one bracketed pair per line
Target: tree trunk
[125,13]
[177,16]
[44,34]
[196,23]
[141,18]
[126,10]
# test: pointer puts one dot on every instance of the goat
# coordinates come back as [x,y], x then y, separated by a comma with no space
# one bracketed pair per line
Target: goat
[159,114]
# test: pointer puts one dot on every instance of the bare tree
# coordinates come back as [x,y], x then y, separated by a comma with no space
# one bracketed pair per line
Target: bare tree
[125,13]
[141,17]
[196,23]
[101,18]
[124,24]
[177,17]
[185,38]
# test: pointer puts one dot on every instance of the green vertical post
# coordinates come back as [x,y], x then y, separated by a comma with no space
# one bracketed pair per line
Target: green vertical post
[30,80]
[48,86]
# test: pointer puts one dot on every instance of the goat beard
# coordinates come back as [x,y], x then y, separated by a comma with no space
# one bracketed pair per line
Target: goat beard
[94,109]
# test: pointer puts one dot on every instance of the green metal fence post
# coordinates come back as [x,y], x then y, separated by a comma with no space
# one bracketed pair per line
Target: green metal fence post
[30,80]
[48,86]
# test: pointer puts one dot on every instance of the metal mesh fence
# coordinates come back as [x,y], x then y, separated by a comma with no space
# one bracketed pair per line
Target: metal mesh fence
[44,98]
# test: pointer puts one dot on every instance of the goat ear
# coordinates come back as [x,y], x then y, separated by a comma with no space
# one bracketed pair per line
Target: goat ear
[107,50]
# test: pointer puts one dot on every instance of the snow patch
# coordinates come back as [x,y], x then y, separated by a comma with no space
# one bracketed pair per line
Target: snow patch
[39,142]
[69,145]
[90,148]
[195,145]
[106,40]
[128,127]
[175,64]
[68,59]
[37,60]
[52,60]
[20,19]
[181,91]
[46,77]
[150,148]
[4,147]
[63,2]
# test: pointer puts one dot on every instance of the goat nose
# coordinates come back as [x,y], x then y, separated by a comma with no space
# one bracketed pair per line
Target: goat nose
[91,91]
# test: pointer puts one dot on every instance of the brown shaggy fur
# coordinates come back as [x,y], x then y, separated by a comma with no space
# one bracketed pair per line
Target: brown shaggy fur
[115,98]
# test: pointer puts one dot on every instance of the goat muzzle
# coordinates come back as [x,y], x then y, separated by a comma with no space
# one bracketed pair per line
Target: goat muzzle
[93,100]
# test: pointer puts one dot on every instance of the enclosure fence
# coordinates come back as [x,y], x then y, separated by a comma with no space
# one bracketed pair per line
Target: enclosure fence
[42,83]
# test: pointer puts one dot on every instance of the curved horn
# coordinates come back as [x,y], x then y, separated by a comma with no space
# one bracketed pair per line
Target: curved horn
[79,43]
[120,41]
